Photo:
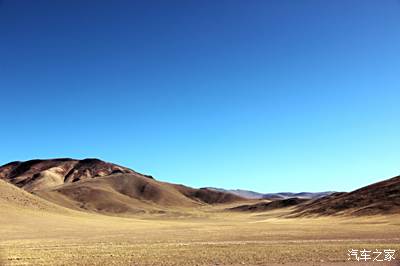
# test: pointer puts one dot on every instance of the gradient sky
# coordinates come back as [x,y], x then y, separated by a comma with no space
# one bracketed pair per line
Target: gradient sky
[262,95]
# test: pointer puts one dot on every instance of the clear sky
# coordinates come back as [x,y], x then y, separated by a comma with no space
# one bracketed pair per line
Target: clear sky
[262,95]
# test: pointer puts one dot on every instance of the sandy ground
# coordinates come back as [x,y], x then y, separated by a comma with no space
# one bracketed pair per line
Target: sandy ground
[200,237]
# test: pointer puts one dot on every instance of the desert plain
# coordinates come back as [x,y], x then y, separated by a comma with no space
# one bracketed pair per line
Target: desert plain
[206,236]
[98,226]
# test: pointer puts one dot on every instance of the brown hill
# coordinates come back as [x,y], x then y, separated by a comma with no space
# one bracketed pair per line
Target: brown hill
[13,198]
[94,185]
[266,206]
[118,193]
[41,174]
[379,198]
[208,195]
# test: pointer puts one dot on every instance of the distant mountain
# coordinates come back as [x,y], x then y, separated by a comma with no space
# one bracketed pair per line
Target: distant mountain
[379,198]
[266,206]
[239,192]
[95,185]
[273,196]
[301,195]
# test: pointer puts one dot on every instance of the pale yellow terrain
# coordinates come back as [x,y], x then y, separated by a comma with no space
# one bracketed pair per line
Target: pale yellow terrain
[36,232]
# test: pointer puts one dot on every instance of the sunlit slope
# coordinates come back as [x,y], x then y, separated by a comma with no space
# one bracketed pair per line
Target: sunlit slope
[376,199]
[13,199]
[97,186]
[119,193]
[38,174]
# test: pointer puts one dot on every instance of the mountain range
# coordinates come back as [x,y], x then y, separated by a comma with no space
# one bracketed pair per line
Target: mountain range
[98,186]
[273,196]
[93,185]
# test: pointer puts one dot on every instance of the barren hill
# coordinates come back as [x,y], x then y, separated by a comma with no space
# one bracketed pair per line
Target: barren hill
[266,206]
[12,198]
[41,174]
[118,193]
[379,198]
[272,196]
[95,185]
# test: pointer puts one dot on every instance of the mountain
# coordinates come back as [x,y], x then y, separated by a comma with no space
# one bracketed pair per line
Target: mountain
[12,198]
[239,192]
[379,198]
[272,196]
[42,174]
[98,186]
[301,195]
[266,206]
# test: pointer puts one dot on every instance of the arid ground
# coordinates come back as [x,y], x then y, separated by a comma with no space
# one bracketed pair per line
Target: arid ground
[132,219]
[203,237]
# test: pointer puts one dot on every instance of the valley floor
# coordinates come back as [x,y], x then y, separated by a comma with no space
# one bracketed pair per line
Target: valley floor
[201,237]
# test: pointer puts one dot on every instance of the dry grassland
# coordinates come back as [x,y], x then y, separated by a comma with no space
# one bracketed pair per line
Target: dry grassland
[200,237]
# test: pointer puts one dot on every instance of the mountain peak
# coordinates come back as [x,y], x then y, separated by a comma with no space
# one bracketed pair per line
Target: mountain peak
[46,173]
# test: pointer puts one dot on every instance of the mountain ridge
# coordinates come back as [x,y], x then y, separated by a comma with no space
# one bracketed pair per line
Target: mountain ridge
[98,186]
[94,185]
[382,197]
[273,196]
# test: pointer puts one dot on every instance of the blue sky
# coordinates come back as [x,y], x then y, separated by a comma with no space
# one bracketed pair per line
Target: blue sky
[262,95]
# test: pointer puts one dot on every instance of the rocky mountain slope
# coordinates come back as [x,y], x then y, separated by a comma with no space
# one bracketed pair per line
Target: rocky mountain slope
[99,186]
[379,198]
